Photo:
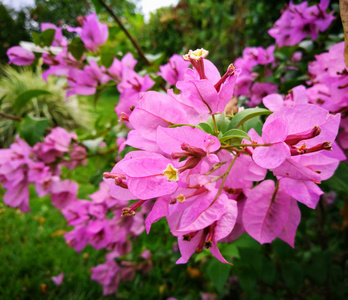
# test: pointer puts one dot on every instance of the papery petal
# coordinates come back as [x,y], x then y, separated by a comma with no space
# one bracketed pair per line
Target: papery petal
[158,211]
[263,217]
[187,248]
[289,231]
[272,156]
[306,192]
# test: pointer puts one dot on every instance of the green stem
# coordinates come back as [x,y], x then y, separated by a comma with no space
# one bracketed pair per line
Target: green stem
[246,145]
[11,117]
[216,130]
[225,177]
[130,37]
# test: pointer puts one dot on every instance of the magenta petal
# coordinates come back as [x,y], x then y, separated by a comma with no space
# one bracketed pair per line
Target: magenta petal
[275,131]
[171,139]
[227,89]
[201,94]
[216,252]
[273,102]
[153,110]
[262,219]
[306,192]
[158,211]
[187,248]
[206,217]
[226,223]
[272,156]
[58,279]
[292,169]
[151,187]
[211,71]
[289,231]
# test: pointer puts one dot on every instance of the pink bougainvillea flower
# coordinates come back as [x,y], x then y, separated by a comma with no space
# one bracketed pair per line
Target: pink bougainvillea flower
[174,70]
[58,280]
[93,33]
[187,141]
[205,229]
[149,176]
[63,193]
[297,130]
[20,56]
[266,211]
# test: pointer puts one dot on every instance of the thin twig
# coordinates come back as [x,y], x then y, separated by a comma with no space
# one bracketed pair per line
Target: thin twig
[11,117]
[131,38]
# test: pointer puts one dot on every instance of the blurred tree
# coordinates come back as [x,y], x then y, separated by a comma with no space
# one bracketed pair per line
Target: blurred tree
[11,21]
[59,11]
[223,27]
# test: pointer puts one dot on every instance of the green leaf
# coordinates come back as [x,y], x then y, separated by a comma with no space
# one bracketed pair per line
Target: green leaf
[246,241]
[222,122]
[206,127]
[23,98]
[234,133]
[32,129]
[76,48]
[268,271]
[47,37]
[229,250]
[106,58]
[2,99]
[203,254]
[247,114]
[36,38]
[318,268]
[218,273]
[254,123]
[293,276]
[97,6]
[339,181]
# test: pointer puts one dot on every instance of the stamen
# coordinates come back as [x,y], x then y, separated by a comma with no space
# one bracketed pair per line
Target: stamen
[201,243]
[171,173]
[196,58]
[208,243]
[124,117]
[188,237]
[130,211]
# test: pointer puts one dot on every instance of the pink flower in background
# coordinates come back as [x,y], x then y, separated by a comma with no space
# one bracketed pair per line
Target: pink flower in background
[58,280]
[300,21]
[20,56]
[93,33]
[174,70]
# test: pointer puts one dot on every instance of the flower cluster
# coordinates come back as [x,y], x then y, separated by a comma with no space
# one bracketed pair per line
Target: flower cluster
[329,79]
[84,75]
[21,165]
[246,85]
[300,21]
[209,187]
[98,223]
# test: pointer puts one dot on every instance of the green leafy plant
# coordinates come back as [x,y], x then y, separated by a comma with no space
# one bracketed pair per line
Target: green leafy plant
[23,92]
